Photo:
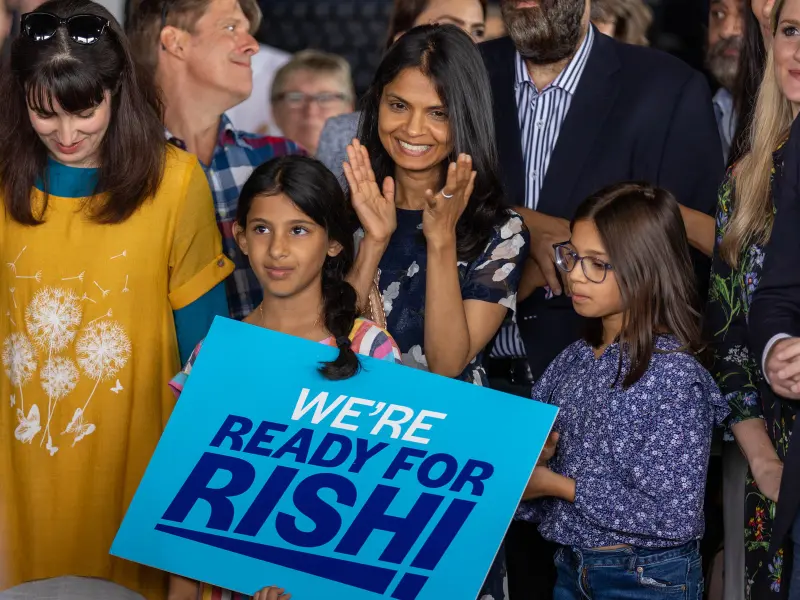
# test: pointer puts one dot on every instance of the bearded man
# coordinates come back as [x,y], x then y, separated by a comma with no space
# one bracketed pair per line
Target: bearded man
[576,111]
[725,31]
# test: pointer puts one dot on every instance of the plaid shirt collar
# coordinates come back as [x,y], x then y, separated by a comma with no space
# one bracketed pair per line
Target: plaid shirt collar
[228,135]
[235,156]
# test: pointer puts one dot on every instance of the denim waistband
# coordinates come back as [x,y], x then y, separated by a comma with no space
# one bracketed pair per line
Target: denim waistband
[631,556]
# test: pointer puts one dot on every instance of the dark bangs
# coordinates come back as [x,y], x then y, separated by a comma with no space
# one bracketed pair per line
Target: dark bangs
[44,74]
[68,83]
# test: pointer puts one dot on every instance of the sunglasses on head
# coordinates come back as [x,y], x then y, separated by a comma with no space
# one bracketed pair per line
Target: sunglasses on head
[83,29]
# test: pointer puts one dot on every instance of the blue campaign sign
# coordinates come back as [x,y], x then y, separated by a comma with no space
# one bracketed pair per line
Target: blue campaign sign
[393,483]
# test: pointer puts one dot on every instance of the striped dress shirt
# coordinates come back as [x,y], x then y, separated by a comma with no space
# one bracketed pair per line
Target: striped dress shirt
[541,115]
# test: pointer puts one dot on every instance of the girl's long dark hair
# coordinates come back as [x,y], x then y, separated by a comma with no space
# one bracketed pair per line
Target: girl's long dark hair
[77,77]
[644,236]
[448,57]
[752,58]
[316,192]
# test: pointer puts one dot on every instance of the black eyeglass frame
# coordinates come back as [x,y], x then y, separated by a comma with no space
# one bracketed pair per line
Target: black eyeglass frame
[579,259]
[63,22]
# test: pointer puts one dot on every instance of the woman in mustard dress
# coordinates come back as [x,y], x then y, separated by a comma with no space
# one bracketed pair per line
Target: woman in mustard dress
[110,261]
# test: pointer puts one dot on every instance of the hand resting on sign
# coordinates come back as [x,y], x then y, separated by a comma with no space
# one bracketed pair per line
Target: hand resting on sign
[271,593]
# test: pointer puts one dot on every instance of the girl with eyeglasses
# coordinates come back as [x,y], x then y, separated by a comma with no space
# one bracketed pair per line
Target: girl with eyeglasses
[111,267]
[622,478]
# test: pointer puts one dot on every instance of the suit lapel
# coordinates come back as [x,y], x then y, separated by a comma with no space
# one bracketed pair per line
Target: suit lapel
[594,97]
[500,63]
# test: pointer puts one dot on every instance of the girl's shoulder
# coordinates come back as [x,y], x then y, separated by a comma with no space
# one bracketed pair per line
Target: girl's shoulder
[677,367]
[369,339]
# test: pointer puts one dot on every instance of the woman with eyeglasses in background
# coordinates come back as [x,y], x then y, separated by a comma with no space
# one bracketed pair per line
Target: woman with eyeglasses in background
[111,261]
[307,91]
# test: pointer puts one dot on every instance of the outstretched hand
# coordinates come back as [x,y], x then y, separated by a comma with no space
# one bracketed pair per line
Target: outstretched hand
[373,205]
[444,209]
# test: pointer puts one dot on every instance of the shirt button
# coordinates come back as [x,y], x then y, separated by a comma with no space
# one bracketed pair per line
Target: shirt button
[539,124]
[534,174]
[221,263]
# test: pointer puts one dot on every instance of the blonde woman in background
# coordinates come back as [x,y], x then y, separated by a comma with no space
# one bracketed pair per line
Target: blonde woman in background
[625,20]
[761,425]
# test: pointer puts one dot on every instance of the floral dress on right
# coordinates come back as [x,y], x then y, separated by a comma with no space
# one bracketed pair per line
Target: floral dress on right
[739,377]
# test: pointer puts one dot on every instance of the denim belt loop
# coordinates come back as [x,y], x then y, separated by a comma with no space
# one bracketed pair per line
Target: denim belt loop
[632,562]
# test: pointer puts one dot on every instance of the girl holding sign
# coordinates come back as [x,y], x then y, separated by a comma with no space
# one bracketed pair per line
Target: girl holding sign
[295,225]
[625,487]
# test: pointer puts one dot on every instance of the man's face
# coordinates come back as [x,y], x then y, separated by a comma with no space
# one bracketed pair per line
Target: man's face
[544,31]
[725,27]
[220,49]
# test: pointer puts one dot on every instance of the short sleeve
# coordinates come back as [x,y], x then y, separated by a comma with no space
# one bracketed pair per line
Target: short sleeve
[384,347]
[196,261]
[495,276]
[371,340]
[178,382]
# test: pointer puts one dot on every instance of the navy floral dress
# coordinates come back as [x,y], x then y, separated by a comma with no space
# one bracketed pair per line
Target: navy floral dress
[493,277]
[739,377]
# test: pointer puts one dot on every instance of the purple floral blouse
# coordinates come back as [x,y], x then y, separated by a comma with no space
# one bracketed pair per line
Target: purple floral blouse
[639,456]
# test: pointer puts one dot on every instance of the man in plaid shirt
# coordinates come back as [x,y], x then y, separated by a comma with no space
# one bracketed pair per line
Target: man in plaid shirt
[200,54]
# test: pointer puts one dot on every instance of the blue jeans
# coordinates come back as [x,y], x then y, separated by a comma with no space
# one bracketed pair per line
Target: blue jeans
[629,574]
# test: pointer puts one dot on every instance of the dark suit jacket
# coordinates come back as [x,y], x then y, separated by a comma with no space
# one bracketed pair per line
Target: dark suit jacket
[776,309]
[637,114]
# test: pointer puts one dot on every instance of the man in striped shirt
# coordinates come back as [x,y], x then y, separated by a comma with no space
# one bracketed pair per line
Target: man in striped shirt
[576,111]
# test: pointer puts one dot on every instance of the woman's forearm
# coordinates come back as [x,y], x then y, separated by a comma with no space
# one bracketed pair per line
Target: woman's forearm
[754,441]
[362,275]
[699,229]
[447,341]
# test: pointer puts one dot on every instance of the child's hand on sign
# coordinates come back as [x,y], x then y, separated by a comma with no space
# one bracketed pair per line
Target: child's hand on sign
[271,593]
[549,449]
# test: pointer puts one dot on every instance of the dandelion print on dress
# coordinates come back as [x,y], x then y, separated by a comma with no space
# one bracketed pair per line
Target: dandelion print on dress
[59,376]
[19,360]
[103,349]
[52,319]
